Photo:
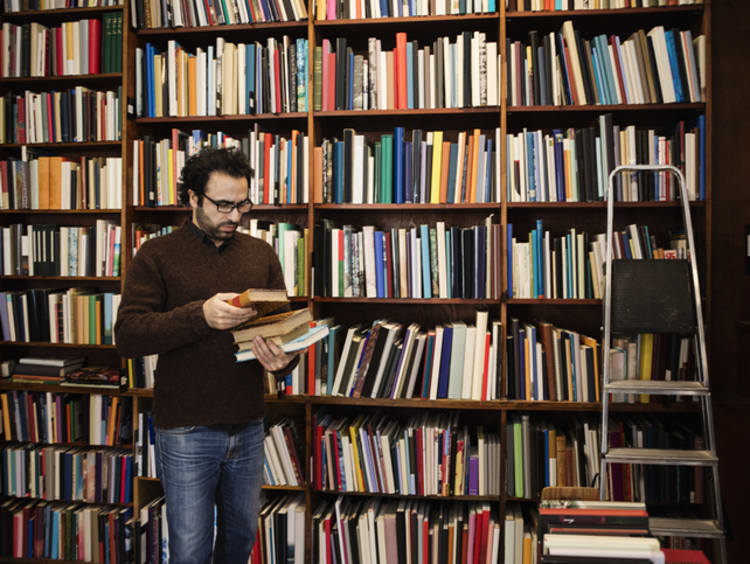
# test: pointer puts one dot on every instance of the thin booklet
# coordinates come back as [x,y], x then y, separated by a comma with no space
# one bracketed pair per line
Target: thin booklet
[310,337]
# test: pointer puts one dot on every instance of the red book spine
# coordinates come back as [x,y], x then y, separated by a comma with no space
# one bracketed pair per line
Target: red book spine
[401,82]
[482,535]
[620,75]
[486,366]
[123,477]
[569,67]
[332,81]
[59,51]
[420,462]
[325,71]
[95,34]
[21,121]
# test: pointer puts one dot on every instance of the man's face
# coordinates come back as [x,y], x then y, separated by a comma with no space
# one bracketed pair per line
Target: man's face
[221,188]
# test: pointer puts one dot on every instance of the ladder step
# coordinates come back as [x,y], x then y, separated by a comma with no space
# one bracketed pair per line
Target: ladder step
[659,387]
[667,527]
[661,456]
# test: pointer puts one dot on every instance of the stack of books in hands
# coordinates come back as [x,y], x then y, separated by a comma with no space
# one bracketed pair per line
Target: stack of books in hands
[291,330]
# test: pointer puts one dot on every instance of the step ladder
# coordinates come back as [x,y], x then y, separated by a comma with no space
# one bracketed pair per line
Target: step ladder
[635,302]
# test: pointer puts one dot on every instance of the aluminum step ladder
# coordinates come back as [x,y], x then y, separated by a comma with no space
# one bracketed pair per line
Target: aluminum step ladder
[635,302]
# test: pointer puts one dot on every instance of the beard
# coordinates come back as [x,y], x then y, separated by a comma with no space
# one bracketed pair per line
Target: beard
[219,231]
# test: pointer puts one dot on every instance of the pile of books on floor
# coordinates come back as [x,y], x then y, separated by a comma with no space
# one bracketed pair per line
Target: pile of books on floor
[596,531]
[290,330]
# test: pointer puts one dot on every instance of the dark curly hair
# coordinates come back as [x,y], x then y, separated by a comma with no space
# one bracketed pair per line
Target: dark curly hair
[199,167]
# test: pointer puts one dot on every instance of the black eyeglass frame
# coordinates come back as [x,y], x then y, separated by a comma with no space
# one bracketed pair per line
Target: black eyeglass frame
[231,206]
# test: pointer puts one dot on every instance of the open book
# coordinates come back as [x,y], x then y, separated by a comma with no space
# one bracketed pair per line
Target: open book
[311,336]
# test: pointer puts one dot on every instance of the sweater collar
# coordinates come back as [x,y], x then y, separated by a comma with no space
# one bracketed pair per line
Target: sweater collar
[201,236]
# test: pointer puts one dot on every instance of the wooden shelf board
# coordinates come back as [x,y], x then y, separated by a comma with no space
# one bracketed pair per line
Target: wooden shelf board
[256,208]
[216,119]
[699,106]
[219,29]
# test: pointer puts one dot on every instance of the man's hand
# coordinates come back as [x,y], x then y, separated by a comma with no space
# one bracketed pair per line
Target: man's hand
[270,355]
[221,315]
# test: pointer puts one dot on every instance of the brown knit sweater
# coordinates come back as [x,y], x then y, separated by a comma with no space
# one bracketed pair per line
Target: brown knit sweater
[198,381]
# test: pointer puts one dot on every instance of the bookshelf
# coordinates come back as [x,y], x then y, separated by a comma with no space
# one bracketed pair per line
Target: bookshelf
[506,24]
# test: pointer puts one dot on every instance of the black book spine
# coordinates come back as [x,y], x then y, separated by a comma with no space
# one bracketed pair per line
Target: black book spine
[535,74]
[341,66]
[588,80]
[467,68]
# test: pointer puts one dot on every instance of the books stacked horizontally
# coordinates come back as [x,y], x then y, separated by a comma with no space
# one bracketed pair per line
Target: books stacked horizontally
[600,531]
[290,330]
[45,370]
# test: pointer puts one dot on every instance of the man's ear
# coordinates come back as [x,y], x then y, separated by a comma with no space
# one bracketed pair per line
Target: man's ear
[192,198]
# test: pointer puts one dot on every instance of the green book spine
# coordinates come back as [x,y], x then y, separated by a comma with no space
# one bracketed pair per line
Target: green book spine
[433,262]
[386,173]
[377,171]
[518,457]
[318,79]
[117,54]
[300,281]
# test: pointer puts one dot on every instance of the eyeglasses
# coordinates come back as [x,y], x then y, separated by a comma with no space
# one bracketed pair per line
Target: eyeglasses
[222,206]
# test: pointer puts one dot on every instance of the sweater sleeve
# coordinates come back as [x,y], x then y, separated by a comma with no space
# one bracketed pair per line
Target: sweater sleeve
[142,327]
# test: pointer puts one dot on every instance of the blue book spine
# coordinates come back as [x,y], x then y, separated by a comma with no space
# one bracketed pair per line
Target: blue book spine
[605,65]
[534,264]
[559,165]
[398,165]
[532,363]
[674,65]
[338,172]
[567,80]
[600,84]
[250,77]
[540,258]
[424,235]
[128,494]
[379,274]
[54,543]
[385,8]
[150,100]
[445,362]
[509,250]
[491,6]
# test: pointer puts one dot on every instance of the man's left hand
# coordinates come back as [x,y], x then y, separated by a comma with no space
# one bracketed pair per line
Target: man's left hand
[270,355]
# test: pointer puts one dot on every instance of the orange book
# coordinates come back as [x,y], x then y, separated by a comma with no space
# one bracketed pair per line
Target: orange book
[98,320]
[317,175]
[473,163]
[55,183]
[192,90]
[444,172]
[6,418]
[44,194]
[400,65]
[111,421]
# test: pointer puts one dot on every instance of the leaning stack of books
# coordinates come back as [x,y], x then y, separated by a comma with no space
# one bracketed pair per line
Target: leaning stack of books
[291,330]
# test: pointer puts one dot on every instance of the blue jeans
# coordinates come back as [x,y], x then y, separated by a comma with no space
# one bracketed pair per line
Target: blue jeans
[203,466]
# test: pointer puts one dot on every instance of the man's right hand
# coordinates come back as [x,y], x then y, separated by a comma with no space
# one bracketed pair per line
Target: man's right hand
[221,315]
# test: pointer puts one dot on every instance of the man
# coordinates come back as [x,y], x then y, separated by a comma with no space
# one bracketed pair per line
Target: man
[207,408]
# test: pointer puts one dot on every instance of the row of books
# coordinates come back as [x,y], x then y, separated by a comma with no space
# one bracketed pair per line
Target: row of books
[655,485]
[74,315]
[282,466]
[539,454]
[144,459]
[222,79]
[87,46]
[429,455]
[153,14]
[142,232]
[152,536]
[391,532]
[650,356]
[548,5]
[60,183]
[53,250]
[422,261]
[68,473]
[289,241]
[47,417]
[424,167]
[573,165]
[461,74]
[655,67]
[572,266]
[366,9]
[280,165]
[78,114]
[520,536]
[553,364]
[32,528]
[281,531]
[26,5]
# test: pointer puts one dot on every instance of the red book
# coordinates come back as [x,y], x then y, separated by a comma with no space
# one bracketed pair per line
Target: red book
[332,81]
[399,61]
[325,71]
[486,366]
[328,540]
[481,535]
[21,121]
[620,74]
[277,79]
[123,477]
[95,38]
[569,68]
[677,556]
[464,545]
[59,51]
[420,462]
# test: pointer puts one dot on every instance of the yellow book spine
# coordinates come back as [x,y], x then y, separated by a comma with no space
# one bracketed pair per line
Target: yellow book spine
[353,432]
[437,151]
[647,353]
